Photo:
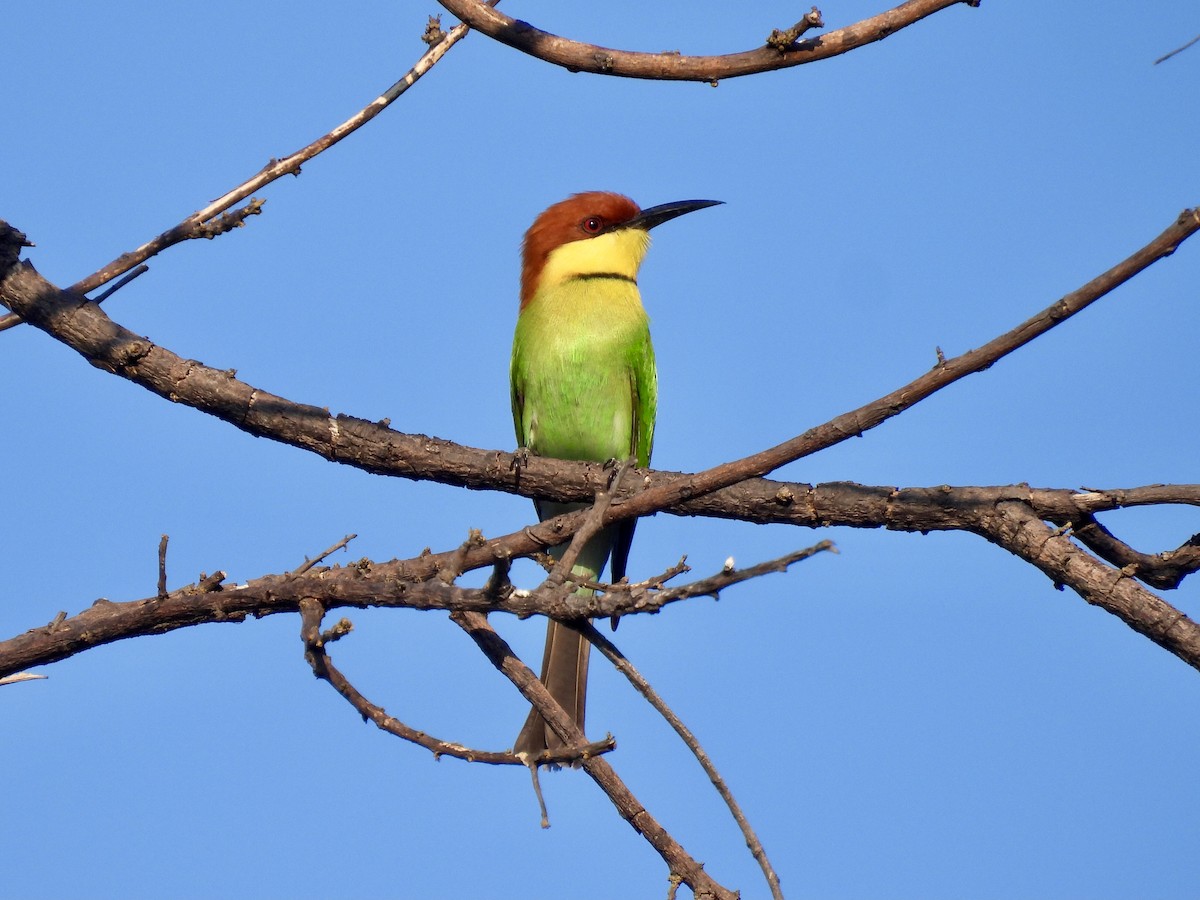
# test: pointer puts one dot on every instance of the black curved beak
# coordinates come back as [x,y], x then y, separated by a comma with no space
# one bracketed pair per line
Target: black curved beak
[665,212]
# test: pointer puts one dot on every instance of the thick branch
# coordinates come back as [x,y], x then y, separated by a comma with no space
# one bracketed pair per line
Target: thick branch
[406,584]
[414,583]
[1017,529]
[375,447]
[672,66]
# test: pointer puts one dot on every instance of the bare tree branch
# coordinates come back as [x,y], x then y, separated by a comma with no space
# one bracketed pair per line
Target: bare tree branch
[643,687]
[673,66]
[323,555]
[103,295]
[592,523]
[209,221]
[375,447]
[678,860]
[783,40]
[878,411]
[1167,56]
[1161,570]
[413,583]
[311,613]
[408,584]
[1018,529]
[162,566]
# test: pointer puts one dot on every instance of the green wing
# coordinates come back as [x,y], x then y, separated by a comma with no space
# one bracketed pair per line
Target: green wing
[643,385]
[643,382]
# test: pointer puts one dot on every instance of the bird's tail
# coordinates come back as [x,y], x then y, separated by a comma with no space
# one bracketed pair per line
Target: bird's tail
[565,660]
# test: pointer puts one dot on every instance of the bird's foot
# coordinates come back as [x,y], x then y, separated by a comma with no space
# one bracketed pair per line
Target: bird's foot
[520,460]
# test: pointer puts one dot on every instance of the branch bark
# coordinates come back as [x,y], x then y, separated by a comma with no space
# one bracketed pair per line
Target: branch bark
[643,687]
[680,862]
[1017,529]
[406,584]
[375,447]
[311,613]
[673,66]
[414,583]
[208,221]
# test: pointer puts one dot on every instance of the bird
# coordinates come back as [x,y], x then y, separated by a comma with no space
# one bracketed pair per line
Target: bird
[584,387]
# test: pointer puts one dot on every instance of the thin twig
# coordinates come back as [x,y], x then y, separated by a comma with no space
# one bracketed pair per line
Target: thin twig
[104,295]
[343,627]
[650,596]
[324,554]
[312,611]
[668,574]
[729,576]
[678,860]
[275,169]
[591,526]
[194,225]
[162,567]
[1177,50]
[784,39]
[643,687]
[226,222]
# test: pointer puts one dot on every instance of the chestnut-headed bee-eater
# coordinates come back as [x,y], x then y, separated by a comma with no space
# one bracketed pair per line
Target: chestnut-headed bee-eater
[584,384]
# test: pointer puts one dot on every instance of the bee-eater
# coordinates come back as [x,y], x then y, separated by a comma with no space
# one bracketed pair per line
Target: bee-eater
[584,385]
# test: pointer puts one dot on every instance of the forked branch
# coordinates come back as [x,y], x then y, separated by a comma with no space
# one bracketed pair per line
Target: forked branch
[643,687]
[375,447]
[1018,529]
[215,218]
[679,861]
[312,611]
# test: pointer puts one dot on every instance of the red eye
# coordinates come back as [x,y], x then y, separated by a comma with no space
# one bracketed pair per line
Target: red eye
[593,224]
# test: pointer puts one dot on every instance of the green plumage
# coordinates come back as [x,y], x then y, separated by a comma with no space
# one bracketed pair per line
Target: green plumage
[583,378]
[584,387]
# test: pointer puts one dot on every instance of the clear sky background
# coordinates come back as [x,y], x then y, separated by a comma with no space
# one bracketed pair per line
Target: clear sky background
[915,717]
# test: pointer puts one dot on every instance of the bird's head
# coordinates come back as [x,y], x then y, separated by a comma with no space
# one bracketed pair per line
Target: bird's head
[592,233]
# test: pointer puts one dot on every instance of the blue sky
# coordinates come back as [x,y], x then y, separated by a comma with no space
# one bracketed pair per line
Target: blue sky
[914,717]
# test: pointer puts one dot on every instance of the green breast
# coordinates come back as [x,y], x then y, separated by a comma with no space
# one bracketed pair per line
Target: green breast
[583,378]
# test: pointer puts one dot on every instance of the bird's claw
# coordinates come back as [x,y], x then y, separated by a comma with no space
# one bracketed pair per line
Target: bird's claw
[616,469]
